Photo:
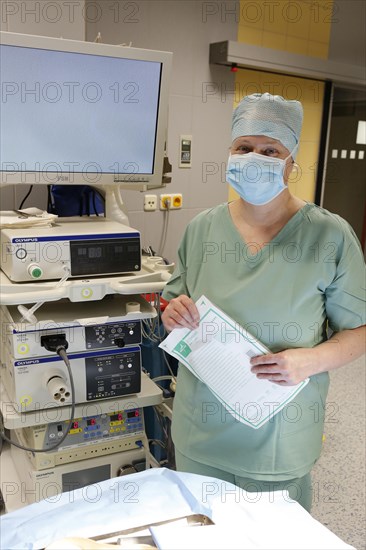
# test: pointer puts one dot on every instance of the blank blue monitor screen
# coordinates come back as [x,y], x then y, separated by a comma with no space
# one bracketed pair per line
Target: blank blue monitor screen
[78,112]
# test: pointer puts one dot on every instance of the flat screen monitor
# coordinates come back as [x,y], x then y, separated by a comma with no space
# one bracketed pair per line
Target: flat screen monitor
[80,113]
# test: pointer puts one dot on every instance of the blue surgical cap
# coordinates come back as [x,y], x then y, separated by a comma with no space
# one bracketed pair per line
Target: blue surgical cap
[269,115]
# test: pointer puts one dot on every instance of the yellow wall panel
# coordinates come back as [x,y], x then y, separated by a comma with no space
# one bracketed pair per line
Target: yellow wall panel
[299,26]
[273,40]
[274,20]
[250,35]
[296,45]
[318,49]
[252,13]
[306,19]
[320,30]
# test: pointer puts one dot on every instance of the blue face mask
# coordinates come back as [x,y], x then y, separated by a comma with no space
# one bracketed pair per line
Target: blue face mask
[258,179]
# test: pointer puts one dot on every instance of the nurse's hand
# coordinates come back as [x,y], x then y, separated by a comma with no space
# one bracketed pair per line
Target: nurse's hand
[181,312]
[292,366]
[286,368]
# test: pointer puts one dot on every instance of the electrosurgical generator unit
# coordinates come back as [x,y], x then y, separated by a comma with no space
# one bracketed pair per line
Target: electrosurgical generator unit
[90,436]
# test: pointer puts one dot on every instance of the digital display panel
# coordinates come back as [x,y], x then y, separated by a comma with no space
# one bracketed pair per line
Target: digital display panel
[93,257]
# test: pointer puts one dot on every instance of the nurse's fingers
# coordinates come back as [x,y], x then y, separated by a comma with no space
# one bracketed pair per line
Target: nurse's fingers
[189,305]
[181,312]
[267,359]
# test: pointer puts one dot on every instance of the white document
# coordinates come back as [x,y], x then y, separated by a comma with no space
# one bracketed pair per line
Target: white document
[218,353]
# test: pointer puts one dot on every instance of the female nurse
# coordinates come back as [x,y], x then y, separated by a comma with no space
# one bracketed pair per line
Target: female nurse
[289,272]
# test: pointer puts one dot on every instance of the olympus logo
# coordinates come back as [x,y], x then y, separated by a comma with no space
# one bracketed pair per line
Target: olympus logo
[23,363]
[26,240]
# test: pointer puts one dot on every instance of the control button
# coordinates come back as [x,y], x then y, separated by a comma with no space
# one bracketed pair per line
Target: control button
[60,434]
[35,271]
[23,348]
[87,293]
[26,400]
[52,436]
[21,253]
[131,332]
[129,365]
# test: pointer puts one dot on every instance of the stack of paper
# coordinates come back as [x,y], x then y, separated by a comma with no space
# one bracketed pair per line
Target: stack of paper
[218,353]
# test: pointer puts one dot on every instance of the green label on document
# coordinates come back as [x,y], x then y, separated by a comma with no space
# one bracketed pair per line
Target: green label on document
[183,349]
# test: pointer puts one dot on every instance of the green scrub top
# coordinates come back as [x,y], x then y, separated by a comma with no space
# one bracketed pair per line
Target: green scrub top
[311,276]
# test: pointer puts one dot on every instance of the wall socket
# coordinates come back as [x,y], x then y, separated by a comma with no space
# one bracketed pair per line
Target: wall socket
[175,201]
[150,203]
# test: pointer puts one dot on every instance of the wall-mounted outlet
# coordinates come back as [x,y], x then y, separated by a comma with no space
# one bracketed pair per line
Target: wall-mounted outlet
[150,203]
[171,201]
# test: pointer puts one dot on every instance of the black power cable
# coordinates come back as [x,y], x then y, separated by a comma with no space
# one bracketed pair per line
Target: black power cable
[25,198]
